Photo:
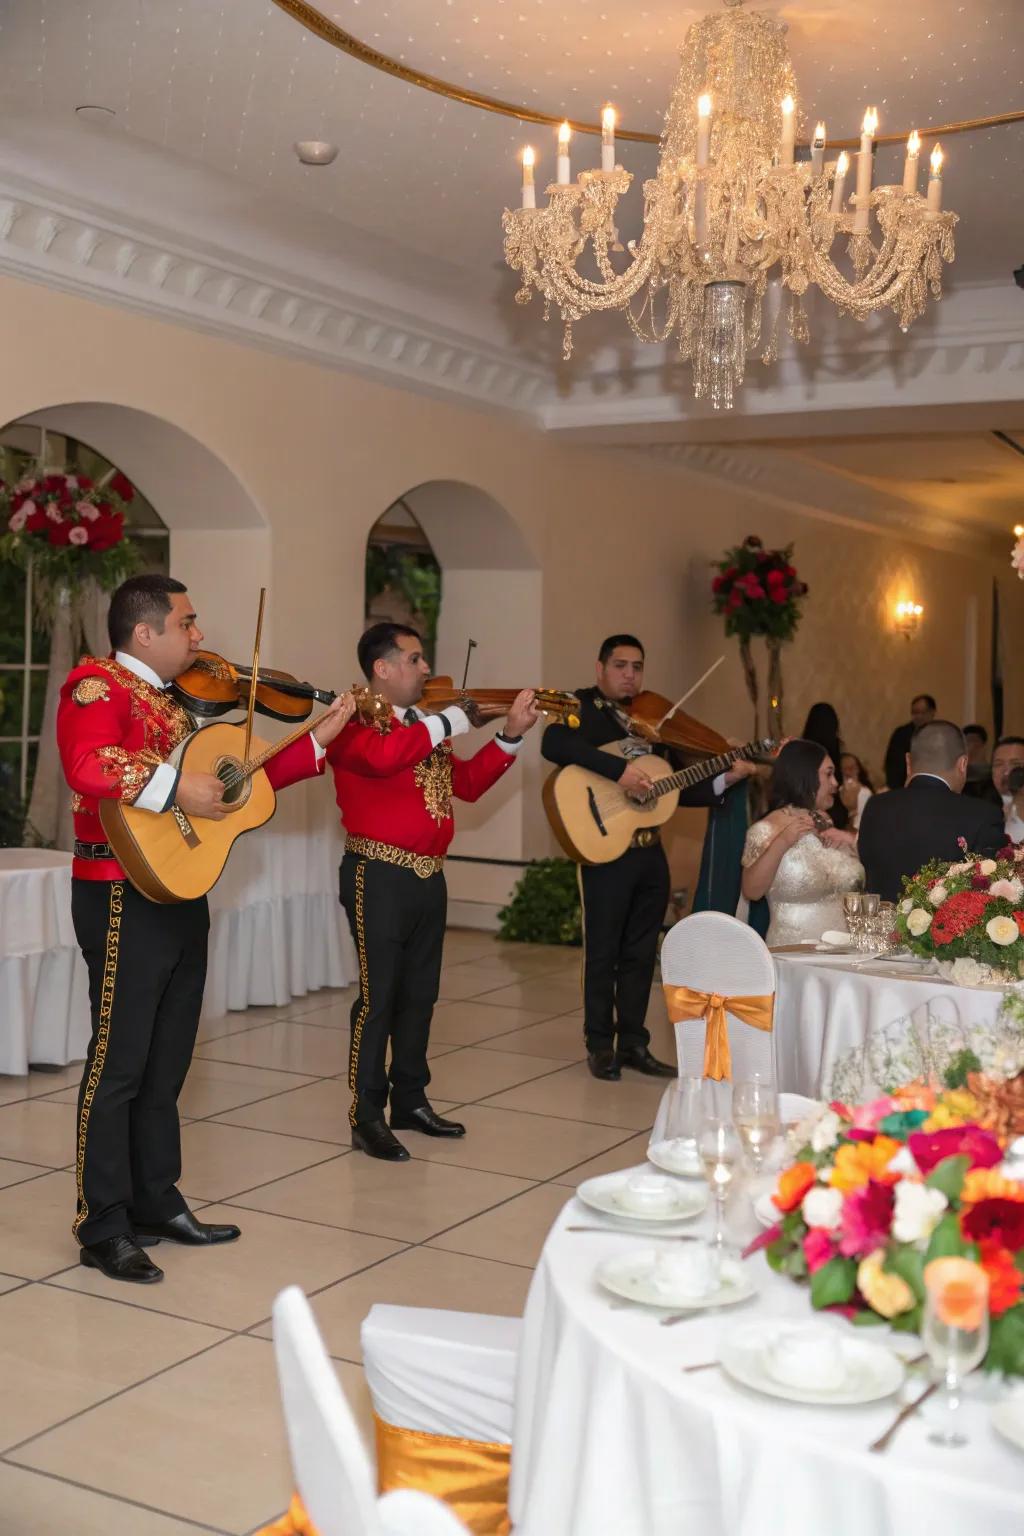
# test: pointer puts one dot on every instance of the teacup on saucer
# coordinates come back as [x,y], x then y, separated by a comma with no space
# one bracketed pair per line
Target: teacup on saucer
[808,1357]
[687,1275]
[648,1192]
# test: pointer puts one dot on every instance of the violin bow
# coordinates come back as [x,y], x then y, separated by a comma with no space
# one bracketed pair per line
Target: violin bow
[255,676]
[689,692]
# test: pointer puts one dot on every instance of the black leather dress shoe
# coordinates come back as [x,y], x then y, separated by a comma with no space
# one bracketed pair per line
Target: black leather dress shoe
[120,1258]
[641,1060]
[424,1119]
[374,1138]
[184,1228]
[605,1065]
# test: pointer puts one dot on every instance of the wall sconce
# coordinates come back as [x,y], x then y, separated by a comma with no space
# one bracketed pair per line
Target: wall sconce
[908,618]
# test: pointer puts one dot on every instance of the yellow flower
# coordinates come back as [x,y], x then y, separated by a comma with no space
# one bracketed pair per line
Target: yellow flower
[989,1184]
[888,1295]
[858,1161]
[957,1107]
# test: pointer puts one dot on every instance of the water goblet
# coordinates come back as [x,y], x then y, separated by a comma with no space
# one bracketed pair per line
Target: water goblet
[955,1333]
[869,903]
[755,1114]
[680,1122]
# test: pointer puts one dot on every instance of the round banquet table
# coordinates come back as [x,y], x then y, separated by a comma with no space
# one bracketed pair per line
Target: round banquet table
[611,1437]
[829,1008]
[44,989]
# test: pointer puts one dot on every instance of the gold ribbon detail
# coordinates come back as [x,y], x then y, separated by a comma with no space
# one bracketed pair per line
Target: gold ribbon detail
[295,1523]
[471,1476]
[684,1003]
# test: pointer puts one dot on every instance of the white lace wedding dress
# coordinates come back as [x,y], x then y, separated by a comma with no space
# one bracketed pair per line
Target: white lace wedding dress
[806,896]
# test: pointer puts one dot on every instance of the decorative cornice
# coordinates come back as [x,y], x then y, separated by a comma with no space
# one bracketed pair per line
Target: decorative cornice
[87,253]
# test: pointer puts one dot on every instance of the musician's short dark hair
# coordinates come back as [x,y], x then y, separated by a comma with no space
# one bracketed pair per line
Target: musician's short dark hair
[614,641]
[976,730]
[794,780]
[140,600]
[382,640]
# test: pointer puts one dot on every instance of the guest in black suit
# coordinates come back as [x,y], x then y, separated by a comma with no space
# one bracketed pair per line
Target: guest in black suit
[922,710]
[903,830]
[979,769]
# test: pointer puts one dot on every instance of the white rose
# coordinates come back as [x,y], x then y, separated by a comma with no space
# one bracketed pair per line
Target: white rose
[987,866]
[966,972]
[825,1174]
[826,1133]
[823,1208]
[1002,930]
[1011,889]
[902,1162]
[919,922]
[907,904]
[917,1211]
[937,895]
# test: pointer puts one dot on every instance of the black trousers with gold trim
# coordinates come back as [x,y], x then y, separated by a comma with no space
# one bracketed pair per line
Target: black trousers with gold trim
[397,920]
[623,909]
[147,969]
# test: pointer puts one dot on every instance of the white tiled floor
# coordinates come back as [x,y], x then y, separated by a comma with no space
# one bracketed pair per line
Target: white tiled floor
[153,1410]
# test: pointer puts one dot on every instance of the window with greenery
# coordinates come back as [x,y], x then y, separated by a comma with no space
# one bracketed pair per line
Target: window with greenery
[403,578]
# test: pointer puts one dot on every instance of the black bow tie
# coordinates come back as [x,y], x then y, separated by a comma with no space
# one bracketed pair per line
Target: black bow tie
[410,717]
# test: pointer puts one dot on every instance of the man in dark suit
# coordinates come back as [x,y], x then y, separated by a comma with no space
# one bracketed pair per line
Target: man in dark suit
[901,831]
[922,710]
[623,902]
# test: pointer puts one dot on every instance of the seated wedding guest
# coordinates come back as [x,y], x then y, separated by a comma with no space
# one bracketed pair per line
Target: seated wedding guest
[922,709]
[901,831]
[855,787]
[1008,784]
[822,726]
[795,855]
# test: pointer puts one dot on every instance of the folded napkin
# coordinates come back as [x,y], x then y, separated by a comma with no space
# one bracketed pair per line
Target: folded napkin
[833,937]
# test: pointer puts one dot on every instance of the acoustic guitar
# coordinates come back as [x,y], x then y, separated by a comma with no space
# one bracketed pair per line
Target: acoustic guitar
[594,820]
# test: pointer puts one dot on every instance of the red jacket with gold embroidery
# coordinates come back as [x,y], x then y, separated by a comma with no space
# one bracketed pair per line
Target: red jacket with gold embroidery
[113,732]
[394,786]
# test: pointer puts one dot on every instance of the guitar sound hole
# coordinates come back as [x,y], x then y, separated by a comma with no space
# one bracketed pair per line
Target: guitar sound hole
[226,770]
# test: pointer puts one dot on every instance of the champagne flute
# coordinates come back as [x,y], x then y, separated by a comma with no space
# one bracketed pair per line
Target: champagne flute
[755,1114]
[955,1333]
[720,1154]
[852,911]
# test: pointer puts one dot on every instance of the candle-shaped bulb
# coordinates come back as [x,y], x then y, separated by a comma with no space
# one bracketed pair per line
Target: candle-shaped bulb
[529,158]
[608,138]
[564,135]
[819,134]
[608,122]
[1018,531]
[818,149]
[910,163]
[870,124]
[703,129]
[788,144]
[914,144]
[935,182]
[564,168]
[838,186]
[704,106]
[936,160]
[843,163]
[788,106]
[529,193]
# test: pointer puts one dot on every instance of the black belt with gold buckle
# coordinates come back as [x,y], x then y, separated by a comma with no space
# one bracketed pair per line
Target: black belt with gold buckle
[93,850]
[646,837]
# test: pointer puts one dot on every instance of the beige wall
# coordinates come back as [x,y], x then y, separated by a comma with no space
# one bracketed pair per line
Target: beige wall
[605,540]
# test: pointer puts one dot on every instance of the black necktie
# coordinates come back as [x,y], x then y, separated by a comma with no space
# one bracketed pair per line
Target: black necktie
[410,717]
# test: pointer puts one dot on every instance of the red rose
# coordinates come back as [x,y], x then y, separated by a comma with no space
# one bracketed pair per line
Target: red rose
[1018,918]
[778,595]
[929,1148]
[789,570]
[59,533]
[958,915]
[735,600]
[1002,1220]
[38,521]
[84,483]
[122,486]
[106,532]
[719,584]
[980,882]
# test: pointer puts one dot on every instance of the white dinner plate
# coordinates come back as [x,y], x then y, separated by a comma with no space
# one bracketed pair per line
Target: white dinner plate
[683,1161]
[765,1209]
[1008,1419]
[872,1371]
[629,1275]
[605,1194]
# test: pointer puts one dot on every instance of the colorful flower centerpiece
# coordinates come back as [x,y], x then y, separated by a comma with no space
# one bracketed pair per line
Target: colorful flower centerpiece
[69,528]
[881,1190]
[758,592]
[968,916]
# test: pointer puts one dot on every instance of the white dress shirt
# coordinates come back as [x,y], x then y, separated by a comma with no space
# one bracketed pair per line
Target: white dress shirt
[1014,824]
[458,721]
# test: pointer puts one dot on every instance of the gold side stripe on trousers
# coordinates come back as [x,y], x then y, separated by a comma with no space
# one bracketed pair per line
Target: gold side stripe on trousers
[102,1040]
[364,992]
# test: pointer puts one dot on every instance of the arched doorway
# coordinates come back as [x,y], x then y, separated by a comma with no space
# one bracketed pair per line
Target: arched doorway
[403,575]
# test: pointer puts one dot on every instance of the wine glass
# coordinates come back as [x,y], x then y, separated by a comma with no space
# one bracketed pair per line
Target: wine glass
[720,1155]
[869,903]
[684,1109]
[852,911]
[955,1334]
[755,1114]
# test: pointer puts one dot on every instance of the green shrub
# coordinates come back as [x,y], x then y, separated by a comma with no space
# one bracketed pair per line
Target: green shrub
[545,906]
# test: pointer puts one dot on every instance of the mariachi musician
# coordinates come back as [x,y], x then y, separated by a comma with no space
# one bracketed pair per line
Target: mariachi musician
[395,779]
[116,726]
[624,901]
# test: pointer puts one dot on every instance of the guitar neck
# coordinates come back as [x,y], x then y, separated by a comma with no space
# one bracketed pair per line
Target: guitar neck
[255,763]
[708,768]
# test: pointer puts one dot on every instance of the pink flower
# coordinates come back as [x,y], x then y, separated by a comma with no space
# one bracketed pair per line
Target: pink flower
[17,520]
[54,513]
[929,1148]
[71,481]
[78,534]
[868,1117]
[817,1248]
[866,1219]
[87,509]
[1009,889]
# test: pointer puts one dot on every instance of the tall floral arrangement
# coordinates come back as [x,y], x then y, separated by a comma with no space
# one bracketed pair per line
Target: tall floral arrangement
[758,592]
[969,915]
[70,528]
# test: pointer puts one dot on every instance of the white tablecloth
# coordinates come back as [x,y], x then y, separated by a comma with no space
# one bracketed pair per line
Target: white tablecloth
[612,1439]
[277,931]
[841,1029]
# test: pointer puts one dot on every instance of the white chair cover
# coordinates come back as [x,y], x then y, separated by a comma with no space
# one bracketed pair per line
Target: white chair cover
[442,1373]
[711,952]
[794,1107]
[333,1473]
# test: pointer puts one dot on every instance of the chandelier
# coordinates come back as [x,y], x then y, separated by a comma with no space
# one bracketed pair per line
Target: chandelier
[729,210]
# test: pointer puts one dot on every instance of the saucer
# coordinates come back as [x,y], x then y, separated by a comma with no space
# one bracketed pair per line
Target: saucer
[678,1157]
[606,1194]
[630,1275]
[872,1371]
[1008,1419]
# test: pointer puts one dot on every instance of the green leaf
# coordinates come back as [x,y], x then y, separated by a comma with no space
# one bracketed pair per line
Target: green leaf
[834,1283]
[948,1176]
[909,1265]
[946,1240]
[869,1320]
[1006,1345]
[907,1322]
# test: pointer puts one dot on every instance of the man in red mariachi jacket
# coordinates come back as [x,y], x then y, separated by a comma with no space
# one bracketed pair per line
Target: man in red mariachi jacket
[116,728]
[394,782]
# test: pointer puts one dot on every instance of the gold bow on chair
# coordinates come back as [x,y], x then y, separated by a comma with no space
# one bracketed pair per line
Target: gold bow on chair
[684,1003]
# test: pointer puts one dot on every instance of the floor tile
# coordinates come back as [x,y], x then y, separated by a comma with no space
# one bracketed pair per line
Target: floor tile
[36,1085]
[514,1233]
[35,1226]
[236,1023]
[542,994]
[10,1282]
[557,1039]
[318,1112]
[628,1154]
[459,981]
[468,944]
[60,1353]
[471,1021]
[508,1141]
[420,1277]
[407,1201]
[286,1046]
[17,1173]
[472,1073]
[47,1506]
[574,1095]
[215,1086]
[38,1131]
[220,1413]
[233,1285]
[222,1160]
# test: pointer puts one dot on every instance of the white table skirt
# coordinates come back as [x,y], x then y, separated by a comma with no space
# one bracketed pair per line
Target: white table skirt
[277,931]
[612,1439]
[840,1029]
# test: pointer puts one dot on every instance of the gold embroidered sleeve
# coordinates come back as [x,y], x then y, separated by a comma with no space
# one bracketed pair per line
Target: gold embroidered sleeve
[130,771]
[91,690]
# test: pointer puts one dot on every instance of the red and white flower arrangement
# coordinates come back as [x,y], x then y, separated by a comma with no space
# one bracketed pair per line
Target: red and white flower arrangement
[69,527]
[969,914]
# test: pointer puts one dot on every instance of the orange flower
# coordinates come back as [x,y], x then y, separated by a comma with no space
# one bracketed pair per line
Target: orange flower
[915,1095]
[989,1184]
[794,1183]
[960,1291]
[1004,1278]
[858,1161]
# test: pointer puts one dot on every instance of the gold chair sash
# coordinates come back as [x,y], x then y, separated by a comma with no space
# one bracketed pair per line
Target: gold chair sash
[471,1476]
[295,1523]
[684,1003]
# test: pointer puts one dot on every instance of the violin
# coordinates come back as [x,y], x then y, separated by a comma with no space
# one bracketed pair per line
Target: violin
[480,704]
[212,687]
[654,717]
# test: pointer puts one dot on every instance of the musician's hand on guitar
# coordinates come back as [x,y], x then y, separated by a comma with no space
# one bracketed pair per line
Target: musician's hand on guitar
[635,782]
[524,714]
[741,769]
[335,719]
[201,794]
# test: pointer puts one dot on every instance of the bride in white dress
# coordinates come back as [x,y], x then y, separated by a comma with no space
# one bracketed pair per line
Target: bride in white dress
[795,856]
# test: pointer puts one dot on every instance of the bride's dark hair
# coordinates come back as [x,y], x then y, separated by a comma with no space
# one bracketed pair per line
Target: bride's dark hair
[794,779]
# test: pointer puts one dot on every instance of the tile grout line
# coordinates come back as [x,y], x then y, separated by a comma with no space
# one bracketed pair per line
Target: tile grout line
[116,1498]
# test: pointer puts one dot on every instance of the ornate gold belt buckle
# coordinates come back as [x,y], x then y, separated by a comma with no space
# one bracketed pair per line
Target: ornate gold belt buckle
[424,865]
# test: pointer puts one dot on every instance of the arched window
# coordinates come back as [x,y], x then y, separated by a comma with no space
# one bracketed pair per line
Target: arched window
[403,577]
[24,639]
